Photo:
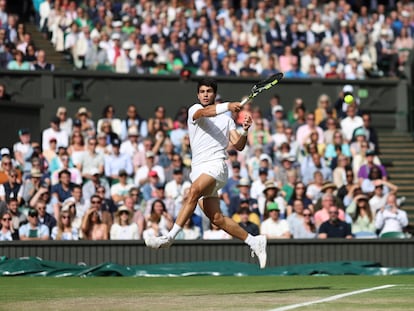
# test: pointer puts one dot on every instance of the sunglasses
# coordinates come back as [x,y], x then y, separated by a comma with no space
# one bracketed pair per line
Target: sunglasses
[65,217]
[7,219]
[96,202]
[307,215]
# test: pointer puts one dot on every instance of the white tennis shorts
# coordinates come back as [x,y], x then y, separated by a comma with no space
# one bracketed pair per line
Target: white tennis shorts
[216,169]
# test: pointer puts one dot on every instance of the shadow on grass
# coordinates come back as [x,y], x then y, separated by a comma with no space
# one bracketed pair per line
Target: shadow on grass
[270,291]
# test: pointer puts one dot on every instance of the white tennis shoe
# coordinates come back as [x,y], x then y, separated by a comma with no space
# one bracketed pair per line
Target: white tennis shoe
[159,242]
[258,248]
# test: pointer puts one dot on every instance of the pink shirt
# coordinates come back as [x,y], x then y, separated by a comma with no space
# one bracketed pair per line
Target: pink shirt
[322,215]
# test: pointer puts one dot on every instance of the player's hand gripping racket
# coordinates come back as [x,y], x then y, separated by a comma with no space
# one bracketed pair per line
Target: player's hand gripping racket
[261,86]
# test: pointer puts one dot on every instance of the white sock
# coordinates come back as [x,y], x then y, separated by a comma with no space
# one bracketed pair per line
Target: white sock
[249,240]
[174,231]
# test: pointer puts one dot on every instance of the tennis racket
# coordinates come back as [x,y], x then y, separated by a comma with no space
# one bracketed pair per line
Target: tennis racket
[262,85]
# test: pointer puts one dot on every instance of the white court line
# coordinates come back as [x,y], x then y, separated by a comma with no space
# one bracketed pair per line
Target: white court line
[304,304]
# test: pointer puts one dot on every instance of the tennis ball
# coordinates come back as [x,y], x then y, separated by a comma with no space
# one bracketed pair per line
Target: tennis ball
[349,99]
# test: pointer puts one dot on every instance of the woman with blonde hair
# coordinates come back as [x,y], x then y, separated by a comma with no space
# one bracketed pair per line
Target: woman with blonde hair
[123,228]
[64,229]
[323,104]
[66,122]
[76,148]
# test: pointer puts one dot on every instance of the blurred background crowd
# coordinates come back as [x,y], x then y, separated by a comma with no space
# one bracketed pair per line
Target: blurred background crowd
[302,38]
[304,173]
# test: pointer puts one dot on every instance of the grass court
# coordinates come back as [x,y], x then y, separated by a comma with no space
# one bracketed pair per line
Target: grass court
[203,293]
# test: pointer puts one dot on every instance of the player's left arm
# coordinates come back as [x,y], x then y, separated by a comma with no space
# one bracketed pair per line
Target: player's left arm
[239,139]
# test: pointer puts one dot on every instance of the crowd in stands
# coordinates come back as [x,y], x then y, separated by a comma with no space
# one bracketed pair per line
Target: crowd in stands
[303,174]
[302,38]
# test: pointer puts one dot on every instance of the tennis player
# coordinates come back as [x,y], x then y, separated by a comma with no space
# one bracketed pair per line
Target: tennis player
[210,130]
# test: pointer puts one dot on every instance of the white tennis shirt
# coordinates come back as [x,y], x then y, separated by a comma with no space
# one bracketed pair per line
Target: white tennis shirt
[209,136]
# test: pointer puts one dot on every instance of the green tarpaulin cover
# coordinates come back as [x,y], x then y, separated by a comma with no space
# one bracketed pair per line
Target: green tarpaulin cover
[37,267]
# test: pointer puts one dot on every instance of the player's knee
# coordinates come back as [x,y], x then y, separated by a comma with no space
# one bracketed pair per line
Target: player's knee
[194,194]
[218,219]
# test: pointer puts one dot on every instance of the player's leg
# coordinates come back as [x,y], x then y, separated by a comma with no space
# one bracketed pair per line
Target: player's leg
[203,185]
[211,207]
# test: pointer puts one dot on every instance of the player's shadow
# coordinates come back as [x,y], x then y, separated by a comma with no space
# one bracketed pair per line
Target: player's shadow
[283,290]
[288,290]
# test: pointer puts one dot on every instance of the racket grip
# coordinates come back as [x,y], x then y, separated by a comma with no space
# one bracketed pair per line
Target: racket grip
[244,101]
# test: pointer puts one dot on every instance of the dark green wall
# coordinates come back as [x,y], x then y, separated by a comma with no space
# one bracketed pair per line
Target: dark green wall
[388,252]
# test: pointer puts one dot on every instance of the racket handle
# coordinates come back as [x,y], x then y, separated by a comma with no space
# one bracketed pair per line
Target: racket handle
[244,101]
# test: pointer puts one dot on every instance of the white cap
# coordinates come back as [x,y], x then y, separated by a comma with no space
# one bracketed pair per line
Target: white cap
[127,45]
[265,156]
[115,36]
[277,108]
[93,171]
[348,88]
[116,24]
[4,151]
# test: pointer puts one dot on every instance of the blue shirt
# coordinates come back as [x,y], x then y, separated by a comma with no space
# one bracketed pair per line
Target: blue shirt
[114,163]
[40,231]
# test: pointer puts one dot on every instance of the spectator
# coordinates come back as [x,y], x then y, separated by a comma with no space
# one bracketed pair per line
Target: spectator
[66,122]
[133,119]
[44,217]
[108,114]
[174,189]
[33,230]
[351,122]
[12,188]
[363,221]
[391,218]
[274,227]
[75,175]
[142,174]
[334,227]
[305,130]
[18,63]
[54,131]
[92,226]
[42,194]
[338,142]
[321,114]
[379,198]
[159,221]
[251,205]
[7,232]
[387,54]
[91,160]
[120,189]
[64,229]
[116,162]
[323,214]
[123,227]
[299,193]
[61,191]
[3,94]
[41,64]
[245,223]
[190,231]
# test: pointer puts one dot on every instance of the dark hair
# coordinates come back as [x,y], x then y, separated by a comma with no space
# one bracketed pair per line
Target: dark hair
[63,172]
[207,82]
[106,109]
[371,172]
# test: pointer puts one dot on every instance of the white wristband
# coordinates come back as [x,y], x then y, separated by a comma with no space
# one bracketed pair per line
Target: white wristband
[222,108]
[244,132]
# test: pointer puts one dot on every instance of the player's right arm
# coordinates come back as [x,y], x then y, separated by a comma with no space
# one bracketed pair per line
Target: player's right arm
[213,110]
